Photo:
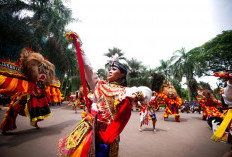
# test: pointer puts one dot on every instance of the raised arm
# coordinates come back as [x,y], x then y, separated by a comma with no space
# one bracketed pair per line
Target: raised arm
[90,76]
[228,93]
[142,94]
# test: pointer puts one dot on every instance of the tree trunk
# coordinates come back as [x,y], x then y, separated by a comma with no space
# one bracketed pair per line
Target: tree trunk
[67,82]
[61,82]
[189,92]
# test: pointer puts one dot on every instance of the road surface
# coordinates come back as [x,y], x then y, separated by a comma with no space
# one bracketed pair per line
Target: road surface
[189,138]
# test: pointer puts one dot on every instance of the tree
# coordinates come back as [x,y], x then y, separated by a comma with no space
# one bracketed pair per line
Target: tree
[157,81]
[43,31]
[15,34]
[184,94]
[204,85]
[114,53]
[218,53]
[177,86]
[164,68]
[102,73]
[135,67]
[48,19]
[144,78]
[193,86]
[183,67]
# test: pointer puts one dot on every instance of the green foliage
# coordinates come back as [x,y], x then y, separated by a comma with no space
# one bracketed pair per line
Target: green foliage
[218,52]
[75,83]
[177,86]
[204,85]
[135,67]
[42,28]
[115,51]
[143,79]
[15,34]
[164,68]
[186,65]
[132,82]
[184,94]
[216,93]
[112,53]
[157,81]
[193,87]
[102,73]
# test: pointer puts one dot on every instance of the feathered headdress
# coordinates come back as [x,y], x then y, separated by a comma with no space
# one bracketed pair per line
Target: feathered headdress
[114,62]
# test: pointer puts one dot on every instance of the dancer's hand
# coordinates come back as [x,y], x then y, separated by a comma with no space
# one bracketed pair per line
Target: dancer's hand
[132,97]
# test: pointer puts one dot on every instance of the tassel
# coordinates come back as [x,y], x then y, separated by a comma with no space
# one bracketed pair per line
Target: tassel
[218,134]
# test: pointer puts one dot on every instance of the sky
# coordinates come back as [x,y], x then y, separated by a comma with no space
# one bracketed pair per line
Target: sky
[148,30]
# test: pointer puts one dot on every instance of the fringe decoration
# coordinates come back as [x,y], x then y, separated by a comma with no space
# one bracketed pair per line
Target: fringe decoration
[218,134]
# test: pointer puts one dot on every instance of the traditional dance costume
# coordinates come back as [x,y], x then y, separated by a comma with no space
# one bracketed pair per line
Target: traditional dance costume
[98,133]
[209,106]
[220,133]
[172,106]
[147,112]
[31,92]
[155,103]
[35,106]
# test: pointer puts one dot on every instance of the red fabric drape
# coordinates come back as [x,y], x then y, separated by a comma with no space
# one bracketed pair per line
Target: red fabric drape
[7,82]
[118,124]
[82,72]
[85,150]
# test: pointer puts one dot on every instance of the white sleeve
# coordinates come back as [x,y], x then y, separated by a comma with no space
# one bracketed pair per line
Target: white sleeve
[145,90]
[228,95]
[90,76]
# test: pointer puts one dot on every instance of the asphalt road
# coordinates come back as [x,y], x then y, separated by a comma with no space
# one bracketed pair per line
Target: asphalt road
[189,138]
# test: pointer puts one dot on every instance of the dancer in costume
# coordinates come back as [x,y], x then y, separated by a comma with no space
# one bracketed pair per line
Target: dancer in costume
[98,133]
[172,101]
[135,105]
[90,99]
[209,104]
[71,100]
[76,101]
[34,101]
[220,132]
[154,102]
[81,98]
[147,112]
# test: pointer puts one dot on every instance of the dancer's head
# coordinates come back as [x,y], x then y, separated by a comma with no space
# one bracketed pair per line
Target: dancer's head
[36,68]
[170,91]
[117,73]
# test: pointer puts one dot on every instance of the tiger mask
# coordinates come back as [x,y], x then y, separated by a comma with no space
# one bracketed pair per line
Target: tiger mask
[37,69]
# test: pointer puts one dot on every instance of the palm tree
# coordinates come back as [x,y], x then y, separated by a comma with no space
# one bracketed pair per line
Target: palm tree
[183,67]
[145,78]
[114,53]
[164,68]
[43,31]
[188,64]
[48,19]
[135,67]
